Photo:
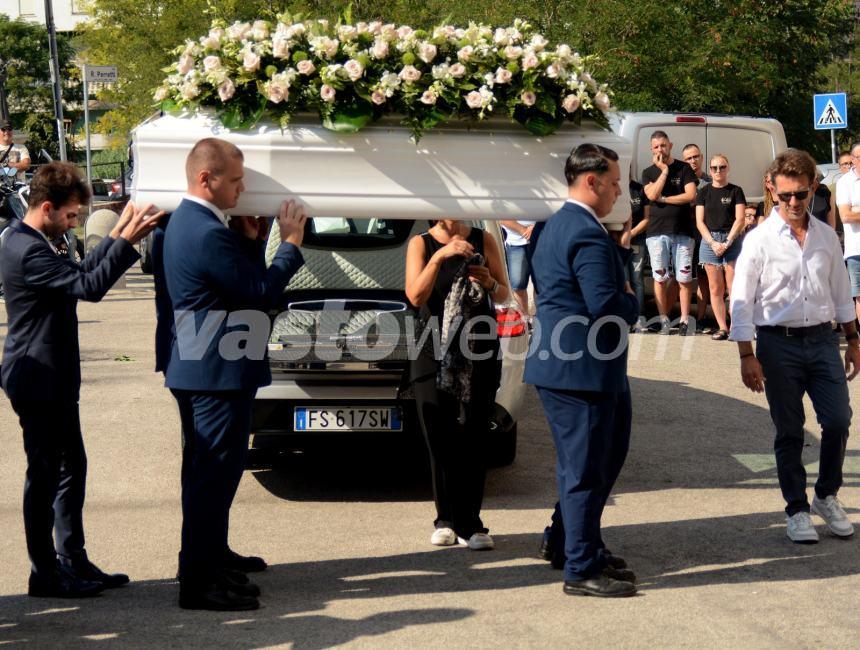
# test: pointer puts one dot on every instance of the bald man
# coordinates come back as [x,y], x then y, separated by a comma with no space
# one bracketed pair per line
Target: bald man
[219,291]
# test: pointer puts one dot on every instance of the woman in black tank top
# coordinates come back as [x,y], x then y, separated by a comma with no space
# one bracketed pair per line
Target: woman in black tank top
[456,430]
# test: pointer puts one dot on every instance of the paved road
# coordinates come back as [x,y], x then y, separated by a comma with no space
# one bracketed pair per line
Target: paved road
[696,512]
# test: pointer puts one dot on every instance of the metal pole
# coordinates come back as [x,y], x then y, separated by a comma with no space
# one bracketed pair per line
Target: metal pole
[833,144]
[55,77]
[87,127]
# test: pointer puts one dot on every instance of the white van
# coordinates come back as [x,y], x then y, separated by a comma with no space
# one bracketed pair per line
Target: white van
[750,143]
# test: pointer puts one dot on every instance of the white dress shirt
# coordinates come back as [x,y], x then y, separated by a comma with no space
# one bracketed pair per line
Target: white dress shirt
[590,211]
[218,211]
[848,193]
[779,283]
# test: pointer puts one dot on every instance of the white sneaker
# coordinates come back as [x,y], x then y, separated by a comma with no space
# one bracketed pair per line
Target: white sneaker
[478,542]
[830,510]
[800,528]
[443,537]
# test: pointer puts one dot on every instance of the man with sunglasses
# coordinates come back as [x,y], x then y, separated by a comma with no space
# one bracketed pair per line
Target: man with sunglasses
[848,204]
[13,155]
[790,284]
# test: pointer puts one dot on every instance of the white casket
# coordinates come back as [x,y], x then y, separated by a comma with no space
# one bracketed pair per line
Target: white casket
[491,170]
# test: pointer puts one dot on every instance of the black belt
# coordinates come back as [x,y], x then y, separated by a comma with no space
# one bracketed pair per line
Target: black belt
[796,331]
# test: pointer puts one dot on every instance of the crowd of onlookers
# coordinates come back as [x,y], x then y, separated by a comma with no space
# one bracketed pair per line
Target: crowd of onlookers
[689,221]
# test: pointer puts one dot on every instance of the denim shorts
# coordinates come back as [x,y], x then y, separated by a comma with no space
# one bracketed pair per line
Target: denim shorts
[854,274]
[707,255]
[671,251]
[519,260]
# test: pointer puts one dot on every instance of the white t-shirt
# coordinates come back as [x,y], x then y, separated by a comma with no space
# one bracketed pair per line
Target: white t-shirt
[516,239]
[848,193]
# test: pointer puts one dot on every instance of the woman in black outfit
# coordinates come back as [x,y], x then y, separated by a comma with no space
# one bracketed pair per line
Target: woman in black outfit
[455,422]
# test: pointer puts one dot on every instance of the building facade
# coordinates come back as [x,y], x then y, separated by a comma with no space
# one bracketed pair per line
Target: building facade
[67,13]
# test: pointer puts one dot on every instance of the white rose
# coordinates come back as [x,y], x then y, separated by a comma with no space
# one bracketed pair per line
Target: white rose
[570,103]
[388,32]
[237,31]
[441,71]
[354,69]
[346,32]
[186,64]
[410,73]
[260,30]
[530,61]
[528,98]
[251,60]
[211,63]
[563,51]
[426,52]
[189,90]
[404,31]
[538,42]
[161,94]
[601,100]
[375,27]
[513,52]
[379,49]
[327,93]
[474,99]
[330,47]
[280,47]
[295,30]
[429,97]
[362,28]
[464,54]
[213,39]
[378,97]
[503,76]
[226,90]
[305,67]
[553,71]
[457,70]
[501,37]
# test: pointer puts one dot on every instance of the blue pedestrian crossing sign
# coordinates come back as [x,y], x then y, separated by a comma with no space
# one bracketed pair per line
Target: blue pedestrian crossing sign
[830,111]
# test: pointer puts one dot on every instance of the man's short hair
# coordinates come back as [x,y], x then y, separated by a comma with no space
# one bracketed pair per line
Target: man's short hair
[854,145]
[844,153]
[793,163]
[60,183]
[659,135]
[690,146]
[212,155]
[587,158]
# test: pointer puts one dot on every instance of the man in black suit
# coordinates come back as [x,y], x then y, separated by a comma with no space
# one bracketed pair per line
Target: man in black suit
[41,371]
[216,280]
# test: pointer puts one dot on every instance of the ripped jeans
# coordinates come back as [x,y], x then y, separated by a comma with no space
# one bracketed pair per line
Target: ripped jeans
[671,252]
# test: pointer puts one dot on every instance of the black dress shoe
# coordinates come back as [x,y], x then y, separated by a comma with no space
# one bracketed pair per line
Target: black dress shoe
[214,597]
[245,564]
[613,560]
[625,575]
[246,588]
[60,583]
[601,586]
[82,568]
[545,551]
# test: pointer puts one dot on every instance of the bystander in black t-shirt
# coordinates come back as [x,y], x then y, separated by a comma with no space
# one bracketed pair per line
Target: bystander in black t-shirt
[638,201]
[668,219]
[719,203]
[819,206]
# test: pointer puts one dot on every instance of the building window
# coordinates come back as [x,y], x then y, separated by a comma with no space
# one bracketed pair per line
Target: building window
[27,7]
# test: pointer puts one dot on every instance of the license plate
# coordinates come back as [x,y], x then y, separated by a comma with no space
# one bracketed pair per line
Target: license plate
[347,418]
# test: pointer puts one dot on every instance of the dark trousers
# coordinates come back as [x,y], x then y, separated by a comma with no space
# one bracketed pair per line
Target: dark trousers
[55,482]
[457,458]
[793,366]
[215,431]
[592,435]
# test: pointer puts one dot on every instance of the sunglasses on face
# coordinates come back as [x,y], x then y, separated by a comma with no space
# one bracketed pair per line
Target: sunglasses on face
[719,168]
[786,197]
[6,130]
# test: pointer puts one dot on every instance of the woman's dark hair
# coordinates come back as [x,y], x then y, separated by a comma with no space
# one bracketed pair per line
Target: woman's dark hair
[60,183]
[588,158]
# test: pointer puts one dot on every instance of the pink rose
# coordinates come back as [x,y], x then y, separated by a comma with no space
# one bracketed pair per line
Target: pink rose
[305,67]
[457,70]
[530,61]
[553,70]
[277,93]
[429,97]
[404,31]
[327,93]
[570,103]
[501,37]
[251,60]
[213,40]
[260,30]
[474,99]
[211,63]
[161,94]
[426,52]
[464,54]
[601,100]
[503,76]
[538,42]
[528,98]
[226,90]
[280,47]
[410,73]
[378,97]
[513,52]
[379,49]
[186,64]
[354,69]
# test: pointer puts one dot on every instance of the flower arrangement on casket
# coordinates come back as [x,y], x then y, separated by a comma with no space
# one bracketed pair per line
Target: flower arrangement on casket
[354,74]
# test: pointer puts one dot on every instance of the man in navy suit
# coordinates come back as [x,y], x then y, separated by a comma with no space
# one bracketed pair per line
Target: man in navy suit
[220,291]
[578,362]
[41,371]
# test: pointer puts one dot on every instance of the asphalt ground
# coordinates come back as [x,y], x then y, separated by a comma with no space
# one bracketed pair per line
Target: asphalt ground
[345,527]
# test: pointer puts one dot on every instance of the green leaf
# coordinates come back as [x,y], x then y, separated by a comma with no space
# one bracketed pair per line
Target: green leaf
[350,118]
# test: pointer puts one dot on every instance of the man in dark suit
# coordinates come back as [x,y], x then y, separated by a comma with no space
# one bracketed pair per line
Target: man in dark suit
[220,291]
[578,362]
[41,371]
